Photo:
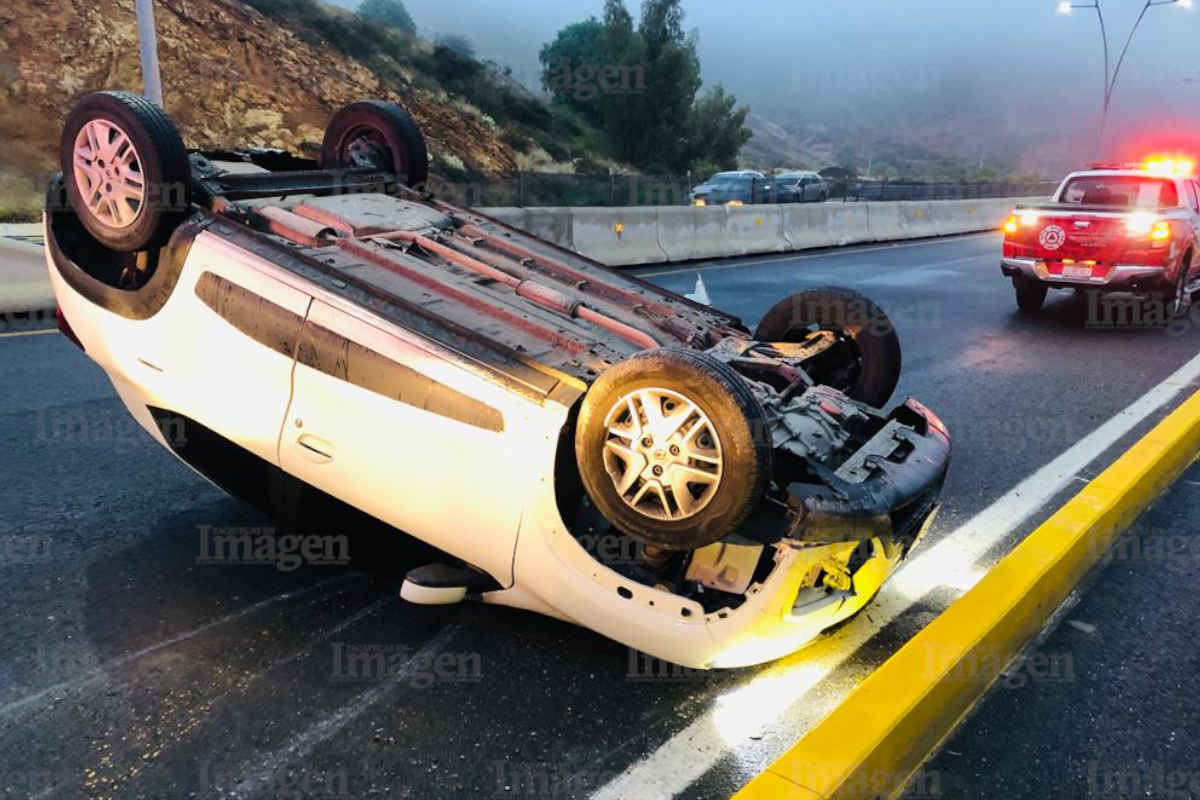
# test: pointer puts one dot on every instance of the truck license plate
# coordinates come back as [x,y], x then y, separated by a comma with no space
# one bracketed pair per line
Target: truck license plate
[1075,271]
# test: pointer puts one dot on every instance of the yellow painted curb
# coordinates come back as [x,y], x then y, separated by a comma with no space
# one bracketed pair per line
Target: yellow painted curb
[871,744]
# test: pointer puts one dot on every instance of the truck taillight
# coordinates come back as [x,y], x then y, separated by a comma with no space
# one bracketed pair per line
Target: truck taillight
[1022,219]
[1139,224]
[1145,225]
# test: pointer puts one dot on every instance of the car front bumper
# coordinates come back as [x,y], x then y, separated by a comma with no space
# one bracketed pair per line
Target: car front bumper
[885,517]
[1121,278]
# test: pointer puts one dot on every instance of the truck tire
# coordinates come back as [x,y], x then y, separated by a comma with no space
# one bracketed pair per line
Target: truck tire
[126,170]
[673,448]
[875,346]
[1031,295]
[1180,300]
[379,135]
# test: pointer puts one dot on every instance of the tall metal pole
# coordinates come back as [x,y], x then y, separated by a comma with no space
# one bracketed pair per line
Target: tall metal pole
[1110,82]
[1107,84]
[1113,82]
[148,45]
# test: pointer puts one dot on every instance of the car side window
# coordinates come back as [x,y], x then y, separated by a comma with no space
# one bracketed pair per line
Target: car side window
[1194,195]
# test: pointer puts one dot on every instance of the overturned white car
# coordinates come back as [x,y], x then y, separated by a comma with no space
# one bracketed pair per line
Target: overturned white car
[328,326]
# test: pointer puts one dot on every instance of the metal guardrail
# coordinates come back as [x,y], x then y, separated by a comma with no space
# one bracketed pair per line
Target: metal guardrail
[535,189]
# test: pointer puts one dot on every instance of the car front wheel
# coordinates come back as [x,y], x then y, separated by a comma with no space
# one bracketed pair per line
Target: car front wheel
[673,448]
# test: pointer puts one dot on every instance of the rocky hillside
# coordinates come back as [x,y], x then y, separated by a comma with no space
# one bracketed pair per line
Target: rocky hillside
[230,75]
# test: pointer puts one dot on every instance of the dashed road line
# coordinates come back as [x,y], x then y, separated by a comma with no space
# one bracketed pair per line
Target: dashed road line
[40,332]
[107,666]
[268,765]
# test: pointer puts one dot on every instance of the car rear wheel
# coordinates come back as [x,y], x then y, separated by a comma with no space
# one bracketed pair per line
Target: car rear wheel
[870,338]
[379,135]
[673,448]
[1030,295]
[126,170]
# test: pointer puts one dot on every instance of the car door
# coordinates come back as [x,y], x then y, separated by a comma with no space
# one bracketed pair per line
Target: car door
[391,427]
[220,353]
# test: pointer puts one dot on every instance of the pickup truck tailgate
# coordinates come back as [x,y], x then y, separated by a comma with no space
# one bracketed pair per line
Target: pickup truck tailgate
[1102,240]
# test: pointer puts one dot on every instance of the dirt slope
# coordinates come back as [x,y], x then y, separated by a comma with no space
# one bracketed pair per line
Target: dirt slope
[231,76]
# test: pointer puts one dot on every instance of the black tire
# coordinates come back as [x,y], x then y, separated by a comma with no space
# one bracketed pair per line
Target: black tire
[736,418]
[1031,295]
[858,320]
[1178,303]
[379,134]
[156,156]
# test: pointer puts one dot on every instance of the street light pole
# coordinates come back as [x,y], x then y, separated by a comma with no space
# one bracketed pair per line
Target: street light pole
[148,46]
[1110,82]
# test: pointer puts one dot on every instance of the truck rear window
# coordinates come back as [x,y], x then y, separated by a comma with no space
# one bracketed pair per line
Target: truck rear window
[1121,191]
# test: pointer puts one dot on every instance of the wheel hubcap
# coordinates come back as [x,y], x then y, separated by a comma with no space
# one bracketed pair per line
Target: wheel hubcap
[662,454]
[108,173]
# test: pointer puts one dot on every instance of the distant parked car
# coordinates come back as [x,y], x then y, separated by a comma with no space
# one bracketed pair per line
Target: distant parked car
[736,186]
[798,187]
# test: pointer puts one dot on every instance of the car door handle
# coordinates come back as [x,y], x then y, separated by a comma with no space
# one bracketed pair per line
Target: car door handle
[315,449]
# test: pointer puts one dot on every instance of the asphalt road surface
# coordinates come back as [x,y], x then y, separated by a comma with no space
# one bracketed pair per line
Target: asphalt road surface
[1108,698]
[129,668]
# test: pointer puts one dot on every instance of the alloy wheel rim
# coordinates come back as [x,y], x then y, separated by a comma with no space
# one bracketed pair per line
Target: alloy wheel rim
[108,173]
[662,453]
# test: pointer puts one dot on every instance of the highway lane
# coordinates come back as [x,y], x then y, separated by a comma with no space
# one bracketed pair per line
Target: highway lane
[131,670]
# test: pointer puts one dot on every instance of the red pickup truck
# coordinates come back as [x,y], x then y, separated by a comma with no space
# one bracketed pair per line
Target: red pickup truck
[1110,229]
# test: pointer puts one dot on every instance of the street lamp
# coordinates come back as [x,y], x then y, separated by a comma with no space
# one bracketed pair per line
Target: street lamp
[1110,82]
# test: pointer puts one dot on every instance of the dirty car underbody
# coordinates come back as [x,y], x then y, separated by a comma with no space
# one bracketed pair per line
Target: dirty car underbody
[547,321]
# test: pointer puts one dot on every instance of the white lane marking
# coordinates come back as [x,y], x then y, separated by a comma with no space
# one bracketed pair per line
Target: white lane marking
[243,683]
[267,766]
[109,665]
[800,256]
[951,561]
[15,334]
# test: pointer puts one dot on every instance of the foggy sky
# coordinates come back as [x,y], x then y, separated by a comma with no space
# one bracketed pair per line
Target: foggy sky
[1015,60]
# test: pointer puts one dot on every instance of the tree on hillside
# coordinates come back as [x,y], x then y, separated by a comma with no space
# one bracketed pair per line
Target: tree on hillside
[639,86]
[456,42]
[718,128]
[570,62]
[391,13]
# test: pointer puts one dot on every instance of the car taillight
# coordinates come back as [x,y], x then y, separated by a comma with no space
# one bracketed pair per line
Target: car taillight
[65,328]
[1010,225]
[1161,231]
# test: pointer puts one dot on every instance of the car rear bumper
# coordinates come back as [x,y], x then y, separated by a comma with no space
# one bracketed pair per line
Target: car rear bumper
[1121,278]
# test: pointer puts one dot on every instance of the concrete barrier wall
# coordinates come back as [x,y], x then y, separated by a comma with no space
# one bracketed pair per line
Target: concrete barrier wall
[24,281]
[647,235]
[615,236]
